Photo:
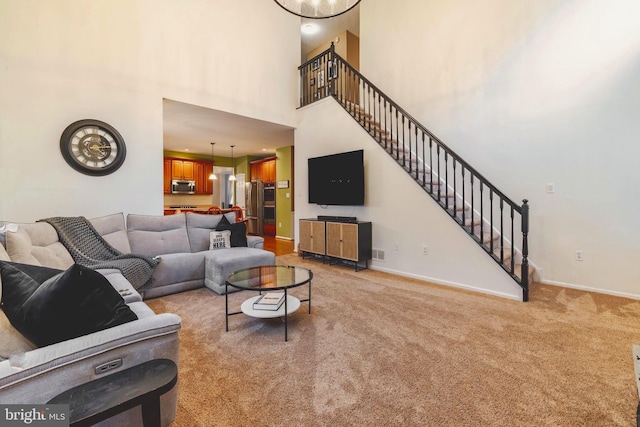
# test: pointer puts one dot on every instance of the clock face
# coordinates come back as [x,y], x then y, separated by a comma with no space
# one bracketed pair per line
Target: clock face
[92,147]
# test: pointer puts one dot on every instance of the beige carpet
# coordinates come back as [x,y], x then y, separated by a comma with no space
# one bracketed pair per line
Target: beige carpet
[380,350]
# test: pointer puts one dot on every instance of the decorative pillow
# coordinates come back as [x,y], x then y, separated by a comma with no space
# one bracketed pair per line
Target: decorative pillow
[238,232]
[220,239]
[48,308]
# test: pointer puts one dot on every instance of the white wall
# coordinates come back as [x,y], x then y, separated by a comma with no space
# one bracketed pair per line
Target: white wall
[530,93]
[115,60]
[399,210]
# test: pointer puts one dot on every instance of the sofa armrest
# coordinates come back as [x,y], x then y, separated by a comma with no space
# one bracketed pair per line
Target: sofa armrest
[73,362]
[255,242]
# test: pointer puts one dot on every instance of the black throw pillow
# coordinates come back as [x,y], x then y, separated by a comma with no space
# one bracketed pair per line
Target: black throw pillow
[238,232]
[65,305]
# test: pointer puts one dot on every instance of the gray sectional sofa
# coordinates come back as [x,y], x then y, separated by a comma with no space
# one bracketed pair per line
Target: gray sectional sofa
[31,375]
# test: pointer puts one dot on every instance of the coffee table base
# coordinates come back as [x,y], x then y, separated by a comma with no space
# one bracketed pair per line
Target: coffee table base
[292,304]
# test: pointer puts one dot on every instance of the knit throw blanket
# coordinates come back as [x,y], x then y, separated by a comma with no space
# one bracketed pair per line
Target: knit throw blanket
[88,248]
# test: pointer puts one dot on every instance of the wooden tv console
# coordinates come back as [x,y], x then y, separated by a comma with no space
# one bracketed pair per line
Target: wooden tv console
[335,239]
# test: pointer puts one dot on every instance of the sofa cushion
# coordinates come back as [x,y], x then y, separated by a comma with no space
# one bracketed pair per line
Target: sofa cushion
[48,308]
[4,256]
[238,232]
[199,227]
[36,243]
[113,231]
[157,235]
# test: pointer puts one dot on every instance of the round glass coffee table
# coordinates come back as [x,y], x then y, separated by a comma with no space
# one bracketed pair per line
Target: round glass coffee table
[269,278]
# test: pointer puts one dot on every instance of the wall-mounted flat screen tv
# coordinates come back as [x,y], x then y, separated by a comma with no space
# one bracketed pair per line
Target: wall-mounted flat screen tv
[337,179]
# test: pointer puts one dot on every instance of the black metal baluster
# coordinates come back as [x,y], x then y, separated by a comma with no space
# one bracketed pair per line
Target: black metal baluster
[446,179]
[463,195]
[481,212]
[513,242]
[472,190]
[501,230]
[491,220]
[439,175]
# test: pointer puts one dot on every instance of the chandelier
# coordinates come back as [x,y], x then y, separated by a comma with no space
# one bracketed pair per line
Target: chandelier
[317,9]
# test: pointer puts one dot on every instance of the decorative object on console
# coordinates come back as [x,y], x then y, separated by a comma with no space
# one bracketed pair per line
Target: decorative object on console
[92,147]
[317,9]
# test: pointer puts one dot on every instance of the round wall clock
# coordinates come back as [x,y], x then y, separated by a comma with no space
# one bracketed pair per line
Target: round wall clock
[92,147]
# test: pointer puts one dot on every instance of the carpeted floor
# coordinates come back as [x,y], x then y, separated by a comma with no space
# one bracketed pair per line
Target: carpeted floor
[381,350]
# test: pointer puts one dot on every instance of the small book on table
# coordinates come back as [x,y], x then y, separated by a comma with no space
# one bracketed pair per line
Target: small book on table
[269,301]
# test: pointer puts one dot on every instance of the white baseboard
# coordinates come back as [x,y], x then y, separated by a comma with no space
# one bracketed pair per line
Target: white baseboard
[588,289]
[448,283]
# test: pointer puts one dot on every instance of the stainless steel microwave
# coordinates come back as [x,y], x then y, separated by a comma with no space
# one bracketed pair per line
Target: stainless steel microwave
[183,187]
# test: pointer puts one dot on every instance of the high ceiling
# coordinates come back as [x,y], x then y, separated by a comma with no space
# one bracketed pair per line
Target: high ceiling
[193,128]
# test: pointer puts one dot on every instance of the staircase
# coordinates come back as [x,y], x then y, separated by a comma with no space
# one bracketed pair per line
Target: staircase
[497,224]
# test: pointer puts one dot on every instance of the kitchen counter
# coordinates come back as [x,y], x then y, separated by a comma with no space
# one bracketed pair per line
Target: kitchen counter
[170,210]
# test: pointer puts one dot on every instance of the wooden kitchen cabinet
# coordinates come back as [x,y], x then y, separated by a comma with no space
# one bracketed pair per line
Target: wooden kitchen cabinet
[202,172]
[264,170]
[256,171]
[269,171]
[167,176]
[192,170]
[183,169]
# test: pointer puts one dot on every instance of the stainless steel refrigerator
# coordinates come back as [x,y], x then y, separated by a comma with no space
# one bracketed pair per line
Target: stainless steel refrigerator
[254,204]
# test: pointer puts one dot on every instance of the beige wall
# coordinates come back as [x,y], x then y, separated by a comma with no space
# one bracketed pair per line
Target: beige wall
[347,46]
[530,93]
[115,60]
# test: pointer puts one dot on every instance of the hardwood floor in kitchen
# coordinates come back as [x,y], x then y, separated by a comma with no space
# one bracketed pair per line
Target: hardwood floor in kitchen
[278,246]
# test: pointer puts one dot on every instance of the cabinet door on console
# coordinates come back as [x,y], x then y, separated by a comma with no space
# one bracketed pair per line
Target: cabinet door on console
[342,240]
[312,237]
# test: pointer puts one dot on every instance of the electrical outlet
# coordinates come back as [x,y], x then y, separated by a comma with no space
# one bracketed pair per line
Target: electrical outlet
[551,187]
[396,246]
[425,250]
[279,225]
[579,255]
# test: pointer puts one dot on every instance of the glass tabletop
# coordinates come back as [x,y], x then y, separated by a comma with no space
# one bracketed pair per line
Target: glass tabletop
[270,277]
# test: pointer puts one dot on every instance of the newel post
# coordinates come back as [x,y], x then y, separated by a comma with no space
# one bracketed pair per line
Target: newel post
[524,274]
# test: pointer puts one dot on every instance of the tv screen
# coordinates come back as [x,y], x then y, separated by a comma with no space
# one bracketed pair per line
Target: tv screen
[337,179]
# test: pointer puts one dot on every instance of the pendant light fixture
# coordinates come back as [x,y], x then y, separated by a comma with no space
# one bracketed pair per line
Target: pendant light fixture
[233,165]
[317,9]
[213,176]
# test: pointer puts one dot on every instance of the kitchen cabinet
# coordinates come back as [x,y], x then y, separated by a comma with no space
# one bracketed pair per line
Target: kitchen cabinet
[256,171]
[192,170]
[183,169]
[269,171]
[202,172]
[264,170]
[167,176]
[337,241]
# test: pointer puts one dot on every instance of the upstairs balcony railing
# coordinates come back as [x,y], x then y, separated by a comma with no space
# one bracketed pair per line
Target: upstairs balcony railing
[495,222]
